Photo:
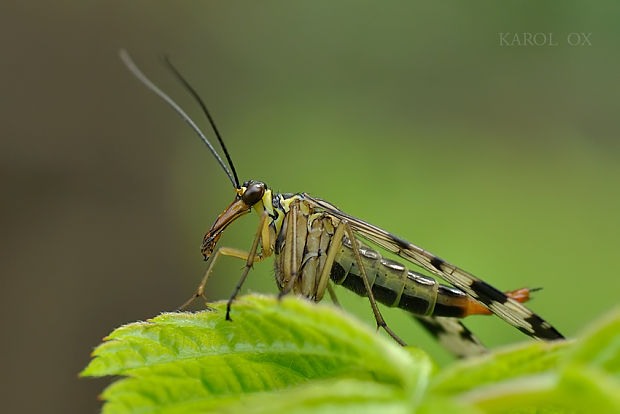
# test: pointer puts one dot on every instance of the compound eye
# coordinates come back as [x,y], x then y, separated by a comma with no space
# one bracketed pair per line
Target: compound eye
[253,194]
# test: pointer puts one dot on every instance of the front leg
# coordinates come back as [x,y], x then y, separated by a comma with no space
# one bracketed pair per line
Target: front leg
[224,251]
[251,258]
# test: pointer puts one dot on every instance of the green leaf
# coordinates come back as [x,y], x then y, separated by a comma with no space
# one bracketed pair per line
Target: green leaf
[600,347]
[298,357]
[331,396]
[576,391]
[187,361]
[550,378]
[504,364]
[444,405]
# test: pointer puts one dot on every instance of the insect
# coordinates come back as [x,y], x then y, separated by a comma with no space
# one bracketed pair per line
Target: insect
[315,245]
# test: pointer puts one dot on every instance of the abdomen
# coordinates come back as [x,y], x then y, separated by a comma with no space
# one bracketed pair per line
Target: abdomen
[394,285]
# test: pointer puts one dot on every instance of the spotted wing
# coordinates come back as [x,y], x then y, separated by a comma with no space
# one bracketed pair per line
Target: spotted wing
[496,301]
[453,335]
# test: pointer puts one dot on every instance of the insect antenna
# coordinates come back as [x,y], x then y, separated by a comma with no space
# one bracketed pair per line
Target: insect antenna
[198,99]
[147,82]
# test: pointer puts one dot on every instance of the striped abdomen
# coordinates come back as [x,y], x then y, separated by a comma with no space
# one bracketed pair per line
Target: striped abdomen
[396,286]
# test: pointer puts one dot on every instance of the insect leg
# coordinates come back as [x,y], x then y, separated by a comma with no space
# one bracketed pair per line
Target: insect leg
[291,267]
[334,247]
[332,295]
[378,317]
[249,262]
[224,251]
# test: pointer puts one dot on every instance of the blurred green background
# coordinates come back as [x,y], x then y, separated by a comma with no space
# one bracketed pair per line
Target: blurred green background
[504,160]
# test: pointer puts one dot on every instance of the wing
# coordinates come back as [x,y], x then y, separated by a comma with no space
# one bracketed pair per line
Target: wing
[496,301]
[453,335]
